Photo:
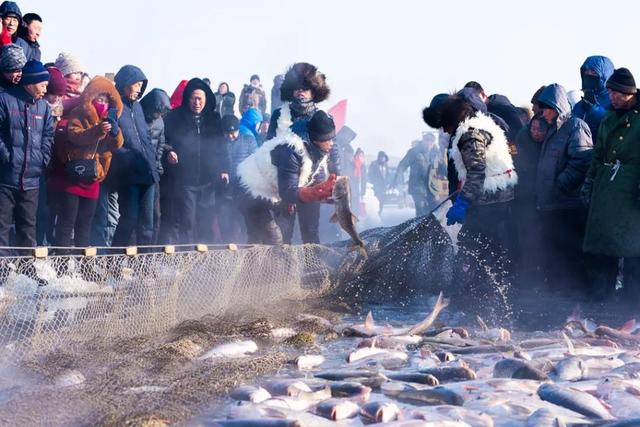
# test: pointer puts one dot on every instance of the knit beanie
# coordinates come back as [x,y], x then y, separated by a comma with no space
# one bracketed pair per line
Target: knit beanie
[68,64]
[321,127]
[622,81]
[33,73]
[12,58]
[230,123]
[57,83]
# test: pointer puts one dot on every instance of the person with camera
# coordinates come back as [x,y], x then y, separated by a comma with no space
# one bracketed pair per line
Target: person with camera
[83,148]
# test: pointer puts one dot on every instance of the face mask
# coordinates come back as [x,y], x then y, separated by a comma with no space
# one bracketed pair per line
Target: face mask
[101,108]
[590,83]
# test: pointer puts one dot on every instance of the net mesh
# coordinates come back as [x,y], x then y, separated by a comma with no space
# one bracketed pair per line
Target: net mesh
[47,303]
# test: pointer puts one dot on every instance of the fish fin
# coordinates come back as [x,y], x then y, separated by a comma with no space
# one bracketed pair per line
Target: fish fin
[368,322]
[628,326]
[373,341]
[354,218]
[570,346]
[633,390]
[334,218]
[482,324]
[362,251]
[441,304]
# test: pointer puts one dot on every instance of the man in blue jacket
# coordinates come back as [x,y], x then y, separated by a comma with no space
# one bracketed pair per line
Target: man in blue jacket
[595,103]
[135,167]
[26,140]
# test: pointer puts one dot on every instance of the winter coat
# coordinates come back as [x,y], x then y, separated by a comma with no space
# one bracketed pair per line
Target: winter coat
[157,102]
[197,140]
[225,104]
[500,106]
[564,157]
[281,166]
[135,162]
[249,122]
[239,150]
[526,163]
[245,98]
[83,136]
[420,160]
[480,154]
[276,100]
[26,139]
[300,122]
[378,173]
[31,49]
[593,113]
[613,225]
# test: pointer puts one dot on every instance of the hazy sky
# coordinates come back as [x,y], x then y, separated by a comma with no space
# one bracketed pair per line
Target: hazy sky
[388,58]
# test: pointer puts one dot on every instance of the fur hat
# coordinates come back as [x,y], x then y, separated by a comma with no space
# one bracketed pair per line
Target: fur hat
[57,83]
[431,114]
[304,76]
[68,64]
[34,73]
[12,58]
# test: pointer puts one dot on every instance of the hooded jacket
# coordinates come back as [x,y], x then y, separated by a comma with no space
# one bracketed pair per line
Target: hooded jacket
[565,155]
[590,112]
[83,135]
[249,122]
[246,144]
[31,49]
[26,139]
[500,106]
[156,102]
[225,103]
[135,162]
[197,140]
[282,165]
[420,160]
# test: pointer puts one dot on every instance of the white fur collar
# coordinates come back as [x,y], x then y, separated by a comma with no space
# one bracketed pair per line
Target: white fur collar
[499,170]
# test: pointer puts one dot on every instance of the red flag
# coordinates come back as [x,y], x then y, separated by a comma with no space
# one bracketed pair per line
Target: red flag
[339,114]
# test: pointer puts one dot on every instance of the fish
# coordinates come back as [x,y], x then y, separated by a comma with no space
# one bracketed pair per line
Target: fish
[232,349]
[619,336]
[484,349]
[379,412]
[287,387]
[574,400]
[493,334]
[350,389]
[518,368]
[315,396]
[369,329]
[570,369]
[69,378]
[427,379]
[622,396]
[309,361]
[377,353]
[393,343]
[450,373]
[628,371]
[337,409]
[341,196]
[249,393]
[543,417]
[344,374]
[255,423]
[288,403]
[460,414]
[432,396]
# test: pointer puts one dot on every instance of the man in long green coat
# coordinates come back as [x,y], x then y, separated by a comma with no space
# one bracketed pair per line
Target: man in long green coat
[612,187]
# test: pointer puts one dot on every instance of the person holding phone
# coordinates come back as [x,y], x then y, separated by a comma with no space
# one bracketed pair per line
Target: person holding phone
[83,146]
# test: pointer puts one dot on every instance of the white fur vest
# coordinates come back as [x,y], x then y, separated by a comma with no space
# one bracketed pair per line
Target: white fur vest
[260,177]
[499,170]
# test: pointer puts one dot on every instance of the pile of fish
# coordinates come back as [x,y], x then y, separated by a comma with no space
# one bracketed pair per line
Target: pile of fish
[424,375]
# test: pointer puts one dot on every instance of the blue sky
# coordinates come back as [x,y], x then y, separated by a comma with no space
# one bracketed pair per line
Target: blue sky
[387,57]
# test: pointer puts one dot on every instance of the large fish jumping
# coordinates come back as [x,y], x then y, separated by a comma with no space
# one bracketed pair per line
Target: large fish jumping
[343,215]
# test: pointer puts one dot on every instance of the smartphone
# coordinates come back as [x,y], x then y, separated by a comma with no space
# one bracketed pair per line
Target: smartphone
[112,114]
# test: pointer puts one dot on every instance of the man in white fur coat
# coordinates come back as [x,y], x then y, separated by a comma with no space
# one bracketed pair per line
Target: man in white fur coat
[284,172]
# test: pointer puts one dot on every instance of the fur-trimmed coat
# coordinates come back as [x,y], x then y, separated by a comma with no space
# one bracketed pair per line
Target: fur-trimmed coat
[480,154]
[83,131]
[281,165]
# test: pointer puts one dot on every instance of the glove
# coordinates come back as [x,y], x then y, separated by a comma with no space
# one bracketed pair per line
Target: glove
[115,128]
[318,192]
[457,212]
[586,190]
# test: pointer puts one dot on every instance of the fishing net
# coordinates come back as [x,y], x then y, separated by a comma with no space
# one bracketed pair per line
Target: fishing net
[50,302]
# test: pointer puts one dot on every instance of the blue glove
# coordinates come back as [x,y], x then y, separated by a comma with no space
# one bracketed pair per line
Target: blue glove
[115,128]
[458,211]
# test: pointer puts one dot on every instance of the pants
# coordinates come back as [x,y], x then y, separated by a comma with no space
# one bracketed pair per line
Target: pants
[230,219]
[259,219]
[156,214]
[565,265]
[19,206]
[308,219]
[424,203]
[105,220]
[45,217]
[136,215]
[74,220]
[167,221]
[381,195]
[194,214]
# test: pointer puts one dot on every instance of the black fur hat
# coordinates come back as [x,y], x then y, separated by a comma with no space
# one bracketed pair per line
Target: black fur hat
[431,114]
[307,76]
